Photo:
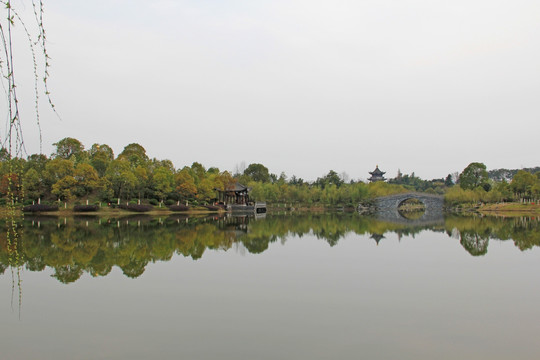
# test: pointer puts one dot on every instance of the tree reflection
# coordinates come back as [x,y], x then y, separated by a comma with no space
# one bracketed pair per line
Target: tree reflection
[68,273]
[134,269]
[74,246]
[474,243]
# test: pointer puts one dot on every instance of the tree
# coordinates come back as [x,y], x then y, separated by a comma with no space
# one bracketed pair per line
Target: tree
[523,182]
[57,169]
[36,162]
[296,181]
[103,148]
[4,154]
[10,184]
[198,172]
[142,183]
[63,188]
[503,191]
[222,180]
[87,179]
[68,148]
[205,190]
[185,184]
[135,154]
[163,182]
[100,157]
[258,172]
[121,178]
[32,185]
[332,178]
[474,175]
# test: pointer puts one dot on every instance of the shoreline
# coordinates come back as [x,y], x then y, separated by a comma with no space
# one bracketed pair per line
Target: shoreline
[510,209]
[501,209]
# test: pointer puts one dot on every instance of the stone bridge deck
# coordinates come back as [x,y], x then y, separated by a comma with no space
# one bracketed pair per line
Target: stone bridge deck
[387,206]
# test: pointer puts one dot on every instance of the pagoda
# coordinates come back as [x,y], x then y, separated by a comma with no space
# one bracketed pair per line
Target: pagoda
[377,175]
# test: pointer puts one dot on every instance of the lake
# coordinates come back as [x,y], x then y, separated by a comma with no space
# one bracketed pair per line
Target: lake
[312,286]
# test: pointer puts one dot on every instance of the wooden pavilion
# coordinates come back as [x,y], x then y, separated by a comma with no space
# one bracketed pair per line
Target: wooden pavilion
[236,194]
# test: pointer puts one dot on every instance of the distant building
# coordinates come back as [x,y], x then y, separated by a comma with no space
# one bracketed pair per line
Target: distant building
[377,175]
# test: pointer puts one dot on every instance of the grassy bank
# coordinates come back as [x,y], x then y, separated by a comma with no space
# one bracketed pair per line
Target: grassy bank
[510,209]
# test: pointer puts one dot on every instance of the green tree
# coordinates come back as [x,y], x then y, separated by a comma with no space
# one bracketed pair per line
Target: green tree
[142,183]
[198,172]
[257,172]
[63,188]
[135,154]
[68,148]
[87,179]
[57,169]
[32,185]
[163,182]
[100,157]
[36,162]
[121,178]
[502,190]
[205,190]
[523,182]
[332,178]
[101,148]
[474,175]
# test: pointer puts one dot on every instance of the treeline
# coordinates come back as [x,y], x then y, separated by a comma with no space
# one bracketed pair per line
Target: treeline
[498,175]
[75,174]
[476,186]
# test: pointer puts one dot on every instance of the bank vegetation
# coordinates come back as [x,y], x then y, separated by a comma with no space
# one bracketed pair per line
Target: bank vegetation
[77,178]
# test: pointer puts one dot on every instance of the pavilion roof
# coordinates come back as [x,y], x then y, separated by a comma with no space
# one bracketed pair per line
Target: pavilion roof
[236,187]
[377,172]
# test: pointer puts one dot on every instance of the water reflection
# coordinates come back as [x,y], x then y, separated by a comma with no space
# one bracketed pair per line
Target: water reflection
[93,245]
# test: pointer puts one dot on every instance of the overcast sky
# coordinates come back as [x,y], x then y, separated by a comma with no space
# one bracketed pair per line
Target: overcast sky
[301,86]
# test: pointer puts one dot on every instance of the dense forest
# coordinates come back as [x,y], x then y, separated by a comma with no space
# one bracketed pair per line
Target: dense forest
[76,175]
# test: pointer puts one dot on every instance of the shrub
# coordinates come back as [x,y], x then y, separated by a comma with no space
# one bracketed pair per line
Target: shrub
[85,208]
[169,202]
[136,208]
[153,202]
[40,208]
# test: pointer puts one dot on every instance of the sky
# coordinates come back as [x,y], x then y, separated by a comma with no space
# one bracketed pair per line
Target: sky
[303,87]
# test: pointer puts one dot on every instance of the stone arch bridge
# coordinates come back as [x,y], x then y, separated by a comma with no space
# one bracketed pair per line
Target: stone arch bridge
[387,206]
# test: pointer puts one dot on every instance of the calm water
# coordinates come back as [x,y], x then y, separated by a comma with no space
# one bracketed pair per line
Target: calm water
[332,286]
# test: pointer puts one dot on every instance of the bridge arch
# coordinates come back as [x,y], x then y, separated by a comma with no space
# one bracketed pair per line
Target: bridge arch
[387,206]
